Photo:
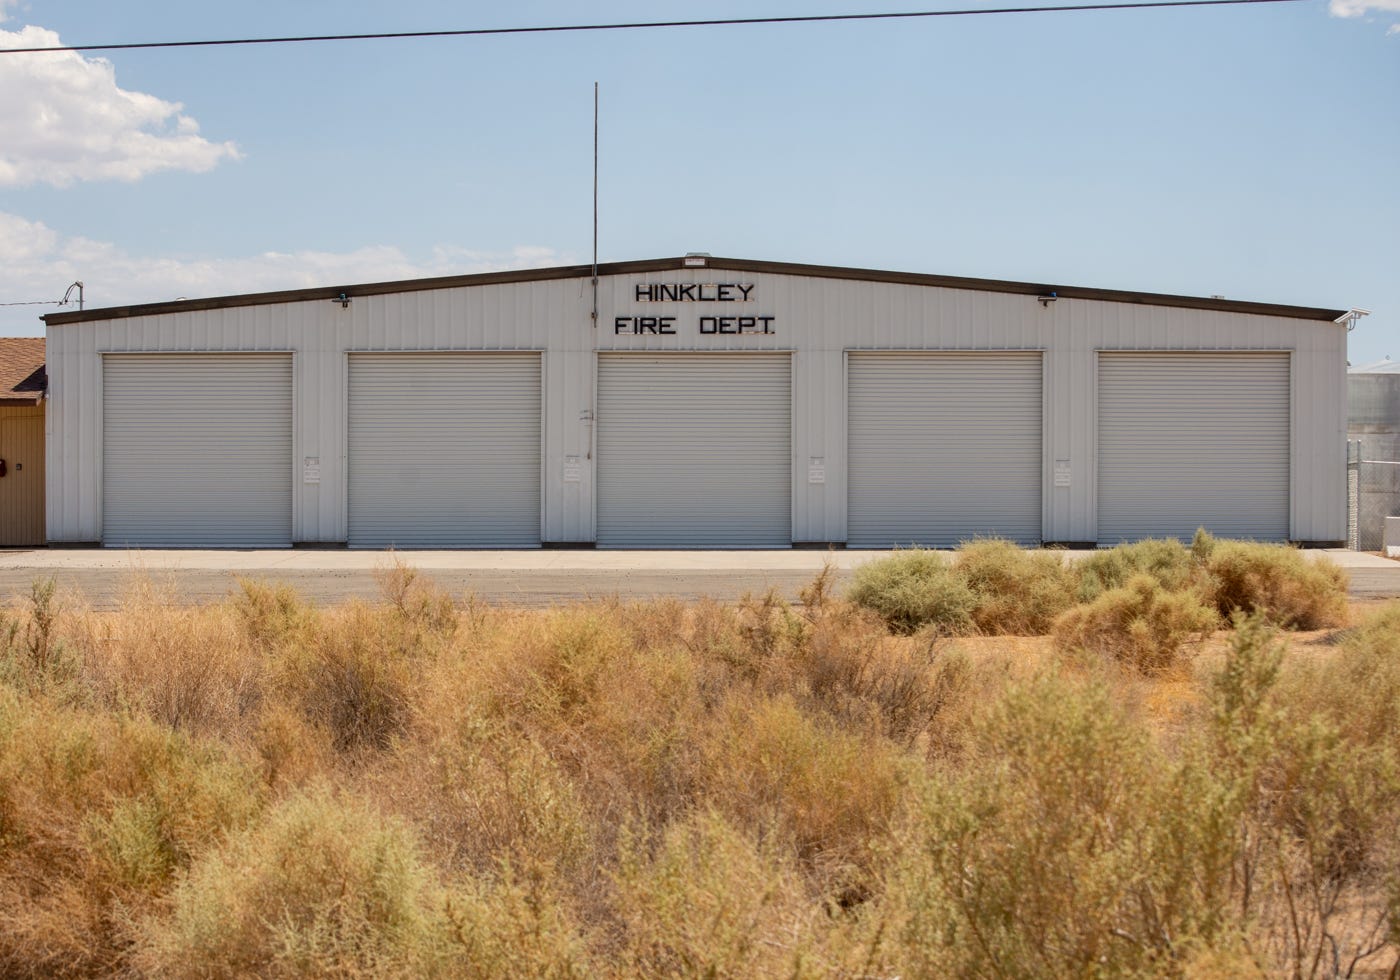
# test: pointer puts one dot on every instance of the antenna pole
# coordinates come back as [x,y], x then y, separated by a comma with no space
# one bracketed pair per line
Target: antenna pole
[595,205]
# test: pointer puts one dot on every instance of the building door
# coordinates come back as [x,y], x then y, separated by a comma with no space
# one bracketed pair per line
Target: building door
[197,450]
[1188,440]
[943,447]
[694,450]
[22,485]
[444,450]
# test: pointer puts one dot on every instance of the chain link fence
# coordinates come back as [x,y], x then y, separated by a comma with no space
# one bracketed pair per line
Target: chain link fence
[1373,494]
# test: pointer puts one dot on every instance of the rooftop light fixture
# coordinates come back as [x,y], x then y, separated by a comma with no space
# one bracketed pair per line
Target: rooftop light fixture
[695,260]
[1351,316]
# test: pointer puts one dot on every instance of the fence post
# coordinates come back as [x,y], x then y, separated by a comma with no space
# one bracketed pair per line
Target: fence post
[1353,493]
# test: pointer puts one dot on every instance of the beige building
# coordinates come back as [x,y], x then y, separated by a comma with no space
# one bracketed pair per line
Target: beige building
[23,384]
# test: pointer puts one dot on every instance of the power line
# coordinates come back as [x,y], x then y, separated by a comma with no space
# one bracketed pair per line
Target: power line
[37,302]
[644,25]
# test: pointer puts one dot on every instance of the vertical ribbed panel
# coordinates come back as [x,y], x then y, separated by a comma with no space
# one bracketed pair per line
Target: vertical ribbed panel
[197,450]
[444,450]
[943,448]
[1193,440]
[693,451]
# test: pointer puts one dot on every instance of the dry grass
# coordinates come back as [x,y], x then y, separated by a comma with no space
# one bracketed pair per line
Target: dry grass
[415,787]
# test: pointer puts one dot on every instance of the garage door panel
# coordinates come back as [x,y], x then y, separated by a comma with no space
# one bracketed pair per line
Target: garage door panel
[444,450]
[943,447]
[1193,439]
[694,451]
[197,450]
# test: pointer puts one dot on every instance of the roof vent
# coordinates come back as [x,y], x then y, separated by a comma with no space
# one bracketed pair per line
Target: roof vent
[696,260]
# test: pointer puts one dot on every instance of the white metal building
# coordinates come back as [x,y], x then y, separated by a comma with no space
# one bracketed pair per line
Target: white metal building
[711,403]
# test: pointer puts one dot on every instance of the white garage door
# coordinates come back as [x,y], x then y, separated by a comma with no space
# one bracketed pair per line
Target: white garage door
[1190,440]
[943,447]
[694,450]
[197,450]
[444,450]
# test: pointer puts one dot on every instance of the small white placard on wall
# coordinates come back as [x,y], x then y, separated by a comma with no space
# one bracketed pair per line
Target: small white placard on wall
[1061,472]
[311,469]
[573,471]
[816,469]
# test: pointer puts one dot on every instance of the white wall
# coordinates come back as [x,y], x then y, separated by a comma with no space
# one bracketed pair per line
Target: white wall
[817,319]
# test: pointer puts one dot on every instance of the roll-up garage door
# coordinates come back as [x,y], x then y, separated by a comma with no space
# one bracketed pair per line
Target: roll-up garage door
[694,450]
[444,450]
[1190,440]
[943,447]
[197,450]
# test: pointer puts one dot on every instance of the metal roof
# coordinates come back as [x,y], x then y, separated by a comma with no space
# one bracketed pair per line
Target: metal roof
[1386,366]
[353,291]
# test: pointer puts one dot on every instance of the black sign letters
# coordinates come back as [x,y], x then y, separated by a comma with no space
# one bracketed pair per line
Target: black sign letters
[694,292]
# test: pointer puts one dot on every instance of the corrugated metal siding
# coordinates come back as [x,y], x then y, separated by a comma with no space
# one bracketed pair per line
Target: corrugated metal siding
[22,486]
[944,448]
[818,320]
[693,451]
[197,451]
[1193,440]
[444,450]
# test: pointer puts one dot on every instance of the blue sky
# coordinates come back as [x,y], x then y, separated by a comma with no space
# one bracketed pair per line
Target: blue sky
[1251,152]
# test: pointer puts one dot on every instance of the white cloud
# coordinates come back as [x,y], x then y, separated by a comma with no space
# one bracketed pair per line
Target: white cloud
[1360,8]
[65,119]
[5,6]
[36,263]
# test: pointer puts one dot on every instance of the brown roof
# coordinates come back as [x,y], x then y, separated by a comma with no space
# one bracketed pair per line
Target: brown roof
[22,375]
[663,265]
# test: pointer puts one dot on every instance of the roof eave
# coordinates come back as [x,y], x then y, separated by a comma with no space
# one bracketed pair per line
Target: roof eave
[354,291]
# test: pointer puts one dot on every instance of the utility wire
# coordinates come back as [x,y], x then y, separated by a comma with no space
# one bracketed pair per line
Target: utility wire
[37,302]
[645,25]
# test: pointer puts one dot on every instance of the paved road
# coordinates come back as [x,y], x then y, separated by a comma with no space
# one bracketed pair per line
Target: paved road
[527,578]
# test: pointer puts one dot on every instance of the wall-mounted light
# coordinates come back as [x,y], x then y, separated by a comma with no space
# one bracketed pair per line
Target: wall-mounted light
[1047,299]
[1351,316]
[695,260]
[343,300]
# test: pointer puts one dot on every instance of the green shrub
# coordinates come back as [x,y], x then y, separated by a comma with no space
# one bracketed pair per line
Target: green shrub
[913,589]
[1018,592]
[1141,624]
[1277,582]
[1166,560]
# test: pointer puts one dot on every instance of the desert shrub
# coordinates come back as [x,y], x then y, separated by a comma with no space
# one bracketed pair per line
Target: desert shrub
[1166,560]
[1018,592]
[1310,809]
[1202,546]
[864,679]
[914,589]
[324,887]
[1141,625]
[190,668]
[320,888]
[484,793]
[35,654]
[709,901]
[271,614]
[98,815]
[350,680]
[830,792]
[1029,861]
[419,604]
[1277,582]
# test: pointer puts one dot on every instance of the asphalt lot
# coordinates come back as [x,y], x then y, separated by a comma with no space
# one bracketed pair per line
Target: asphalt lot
[526,578]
